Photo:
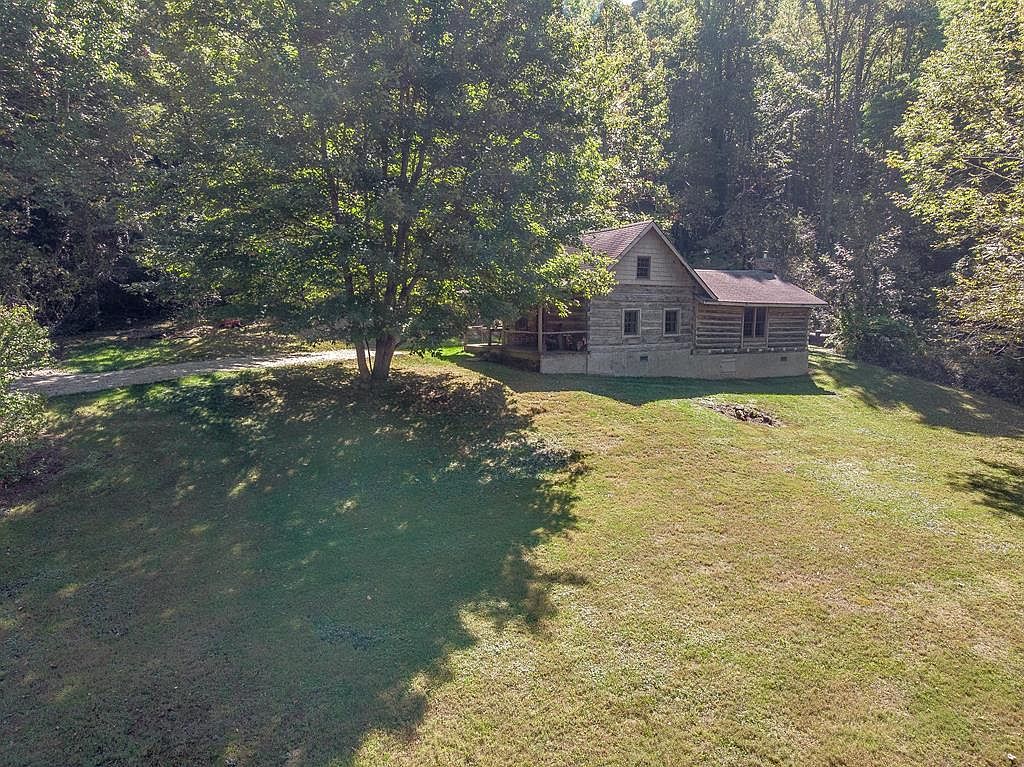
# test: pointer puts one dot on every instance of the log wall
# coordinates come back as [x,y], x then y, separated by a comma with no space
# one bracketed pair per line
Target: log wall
[787,327]
[721,328]
[652,300]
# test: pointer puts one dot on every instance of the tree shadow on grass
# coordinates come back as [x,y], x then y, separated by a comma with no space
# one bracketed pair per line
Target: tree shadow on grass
[935,405]
[637,391]
[1000,486]
[270,568]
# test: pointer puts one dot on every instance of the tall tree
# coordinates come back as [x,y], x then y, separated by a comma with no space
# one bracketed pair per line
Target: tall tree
[401,166]
[715,56]
[866,48]
[964,164]
[68,152]
[838,88]
[628,85]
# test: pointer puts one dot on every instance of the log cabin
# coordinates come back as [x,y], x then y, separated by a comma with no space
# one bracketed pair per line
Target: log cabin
[664,318]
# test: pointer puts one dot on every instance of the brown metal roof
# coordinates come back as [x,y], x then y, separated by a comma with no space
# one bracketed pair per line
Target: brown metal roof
[752,286]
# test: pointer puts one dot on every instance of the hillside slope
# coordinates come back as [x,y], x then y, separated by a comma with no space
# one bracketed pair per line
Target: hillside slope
[488,566]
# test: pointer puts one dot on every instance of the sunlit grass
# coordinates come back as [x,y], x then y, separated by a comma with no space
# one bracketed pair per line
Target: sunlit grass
[487,566]
[98,354]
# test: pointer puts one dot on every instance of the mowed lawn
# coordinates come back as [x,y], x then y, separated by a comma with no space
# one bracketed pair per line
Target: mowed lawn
[486,566]
[101,353]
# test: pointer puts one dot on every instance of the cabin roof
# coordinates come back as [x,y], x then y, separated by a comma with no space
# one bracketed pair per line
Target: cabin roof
[726,286]
[616,240]
[754,286]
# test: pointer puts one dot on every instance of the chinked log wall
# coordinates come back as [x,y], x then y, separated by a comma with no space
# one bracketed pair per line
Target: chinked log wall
[605,323]
[721,328]
[787,327]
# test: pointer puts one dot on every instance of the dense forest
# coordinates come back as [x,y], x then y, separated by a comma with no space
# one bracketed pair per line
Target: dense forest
[408,165]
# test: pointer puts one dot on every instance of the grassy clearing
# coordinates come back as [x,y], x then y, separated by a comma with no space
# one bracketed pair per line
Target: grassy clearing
[493,567]
[99,353]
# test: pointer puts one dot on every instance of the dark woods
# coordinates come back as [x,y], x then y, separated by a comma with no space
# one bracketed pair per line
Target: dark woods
[402,167]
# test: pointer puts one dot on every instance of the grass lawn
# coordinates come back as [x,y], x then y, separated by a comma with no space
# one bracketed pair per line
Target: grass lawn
[102,352]
[487,566]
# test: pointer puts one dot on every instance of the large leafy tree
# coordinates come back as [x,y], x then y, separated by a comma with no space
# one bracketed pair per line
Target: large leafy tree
[68,152]
[715,56]
[399,166]
[964,165]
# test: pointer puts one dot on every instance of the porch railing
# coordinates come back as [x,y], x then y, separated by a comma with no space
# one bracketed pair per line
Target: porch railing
[553,340]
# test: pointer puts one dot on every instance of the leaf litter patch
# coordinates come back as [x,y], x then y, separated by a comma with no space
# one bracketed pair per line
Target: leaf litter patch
[743,412]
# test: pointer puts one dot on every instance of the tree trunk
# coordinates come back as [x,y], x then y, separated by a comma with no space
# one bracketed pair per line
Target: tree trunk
[364,367]
[383,355]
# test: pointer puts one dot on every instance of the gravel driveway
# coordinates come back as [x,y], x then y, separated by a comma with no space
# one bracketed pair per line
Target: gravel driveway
[55,383]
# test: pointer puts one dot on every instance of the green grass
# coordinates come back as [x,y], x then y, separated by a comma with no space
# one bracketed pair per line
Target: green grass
[487,566]
[99,353]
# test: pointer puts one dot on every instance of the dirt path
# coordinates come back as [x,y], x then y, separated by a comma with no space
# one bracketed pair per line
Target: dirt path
[55,383]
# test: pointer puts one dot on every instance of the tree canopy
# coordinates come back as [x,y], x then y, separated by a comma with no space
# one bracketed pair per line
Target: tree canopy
[399,169]
[402,166]
[69,149]
[964,165]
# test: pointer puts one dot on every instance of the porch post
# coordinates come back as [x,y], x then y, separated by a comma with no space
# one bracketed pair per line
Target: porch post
[540,329]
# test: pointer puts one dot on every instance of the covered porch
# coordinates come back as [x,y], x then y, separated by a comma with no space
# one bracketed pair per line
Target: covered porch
[544,331]
[538,334]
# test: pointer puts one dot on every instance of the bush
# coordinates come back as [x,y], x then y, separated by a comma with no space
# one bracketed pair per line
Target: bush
[943,354]
[877,338]
[981,367]
[23,345]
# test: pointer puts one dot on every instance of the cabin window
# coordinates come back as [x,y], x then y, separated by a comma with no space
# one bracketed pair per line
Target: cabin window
[755,319]
[643,267]
[630,322]
[671,322]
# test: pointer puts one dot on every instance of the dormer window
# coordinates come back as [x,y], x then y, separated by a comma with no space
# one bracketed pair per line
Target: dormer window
[643,267]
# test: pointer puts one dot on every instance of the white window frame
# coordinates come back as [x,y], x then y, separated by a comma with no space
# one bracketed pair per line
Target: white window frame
[650,265]
[639,322]
[679,320]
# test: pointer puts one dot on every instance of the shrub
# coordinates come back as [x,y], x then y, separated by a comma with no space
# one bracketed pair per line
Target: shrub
[943,353]
[23,345]
[983,367]
[877,338]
